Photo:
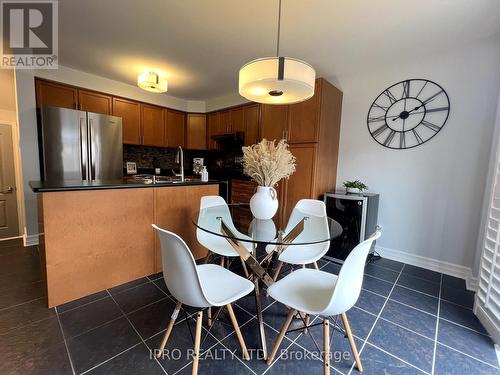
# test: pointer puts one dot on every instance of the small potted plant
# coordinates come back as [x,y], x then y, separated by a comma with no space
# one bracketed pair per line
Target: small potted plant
[354,187]
[267,162]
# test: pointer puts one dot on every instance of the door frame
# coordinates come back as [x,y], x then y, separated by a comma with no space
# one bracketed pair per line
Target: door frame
[18,177]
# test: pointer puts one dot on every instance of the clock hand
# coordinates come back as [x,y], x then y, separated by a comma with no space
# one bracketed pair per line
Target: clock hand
[414,109]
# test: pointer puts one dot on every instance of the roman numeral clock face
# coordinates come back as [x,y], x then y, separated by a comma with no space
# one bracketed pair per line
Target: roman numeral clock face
[408,113]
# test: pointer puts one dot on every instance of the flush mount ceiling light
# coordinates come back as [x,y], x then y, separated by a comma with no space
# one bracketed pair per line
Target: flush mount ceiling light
[277,80]
[152,81]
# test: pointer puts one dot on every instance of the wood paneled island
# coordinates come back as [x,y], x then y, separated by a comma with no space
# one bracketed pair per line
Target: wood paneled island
[94,237]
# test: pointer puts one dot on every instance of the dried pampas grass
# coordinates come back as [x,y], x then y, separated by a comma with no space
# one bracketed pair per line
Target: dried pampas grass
[267,162]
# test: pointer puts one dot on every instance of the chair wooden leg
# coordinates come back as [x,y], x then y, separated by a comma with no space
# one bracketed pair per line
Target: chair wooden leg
[197,340]
[306,322]
[352,342]
[209,316]
[207,257]
[316,265]
[245,270]
[238,332]
[278,270]
[222,261]
[170,325]
[277,344]
[326,347]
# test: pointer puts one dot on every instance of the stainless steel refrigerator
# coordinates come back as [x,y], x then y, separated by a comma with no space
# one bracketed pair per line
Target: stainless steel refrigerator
[78,145]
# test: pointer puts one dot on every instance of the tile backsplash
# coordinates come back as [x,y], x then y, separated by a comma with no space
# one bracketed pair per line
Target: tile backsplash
[151,157]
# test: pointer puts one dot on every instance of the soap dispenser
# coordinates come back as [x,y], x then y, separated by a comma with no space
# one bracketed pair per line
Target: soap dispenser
[204,174]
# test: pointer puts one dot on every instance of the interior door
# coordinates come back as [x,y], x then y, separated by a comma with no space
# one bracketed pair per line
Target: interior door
[9,226]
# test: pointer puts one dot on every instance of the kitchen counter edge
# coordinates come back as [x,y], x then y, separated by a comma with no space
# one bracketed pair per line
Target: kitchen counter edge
[54,186]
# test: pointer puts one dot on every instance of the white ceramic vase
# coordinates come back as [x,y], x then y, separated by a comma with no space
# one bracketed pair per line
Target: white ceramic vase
[264,203]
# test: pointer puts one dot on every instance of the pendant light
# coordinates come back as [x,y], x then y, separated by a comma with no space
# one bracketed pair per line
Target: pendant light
[277,80]
[151,81]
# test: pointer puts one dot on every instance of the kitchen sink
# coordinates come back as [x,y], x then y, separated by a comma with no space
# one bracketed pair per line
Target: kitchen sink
[157,180]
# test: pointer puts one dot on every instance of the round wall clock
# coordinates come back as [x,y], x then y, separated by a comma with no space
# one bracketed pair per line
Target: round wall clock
[408,113]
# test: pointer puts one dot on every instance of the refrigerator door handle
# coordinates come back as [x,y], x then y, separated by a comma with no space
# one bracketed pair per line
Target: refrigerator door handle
[91,150]
[83,149]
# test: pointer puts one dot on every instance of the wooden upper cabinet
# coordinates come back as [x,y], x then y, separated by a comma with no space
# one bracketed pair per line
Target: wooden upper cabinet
[251,124]
[237,120]
[153,126]
[300,185]
[55,95]
[196,132]
[90,101]
[176,125]
[213,125]
[303,119]
[274,121]
[130,112]
[225,122]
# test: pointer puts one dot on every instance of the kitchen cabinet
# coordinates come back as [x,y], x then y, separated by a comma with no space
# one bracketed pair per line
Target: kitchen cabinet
[251,124]
[237,120]
[303,121]
[242,191]
[300,184]
[273,121]
[225,122]
[130,112]
[91,101]
[175,207]
[110,236]
[213,126]
[153,126]
[55,95]
[313,129]
[196,131]
[176,125]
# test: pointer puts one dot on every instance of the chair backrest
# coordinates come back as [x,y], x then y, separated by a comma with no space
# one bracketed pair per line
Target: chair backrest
[179,270]
[308,206]
[350,278]
[211,200]
[211,208]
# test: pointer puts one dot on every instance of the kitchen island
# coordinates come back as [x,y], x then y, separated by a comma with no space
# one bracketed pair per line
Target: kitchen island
[96,235]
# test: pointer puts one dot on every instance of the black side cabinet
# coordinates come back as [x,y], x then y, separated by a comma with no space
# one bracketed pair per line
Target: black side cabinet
[357,214]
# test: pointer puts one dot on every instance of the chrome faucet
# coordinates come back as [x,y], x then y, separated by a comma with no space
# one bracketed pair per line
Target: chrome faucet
[179,159]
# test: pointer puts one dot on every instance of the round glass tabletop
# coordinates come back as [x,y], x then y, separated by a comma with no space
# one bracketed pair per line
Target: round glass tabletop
[236,222]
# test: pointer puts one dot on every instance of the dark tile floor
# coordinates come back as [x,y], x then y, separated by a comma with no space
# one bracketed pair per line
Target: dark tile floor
[407,321]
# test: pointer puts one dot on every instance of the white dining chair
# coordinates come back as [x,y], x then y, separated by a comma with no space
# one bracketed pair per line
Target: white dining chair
[216,244]
[199,286]
[305,254]
[313,292]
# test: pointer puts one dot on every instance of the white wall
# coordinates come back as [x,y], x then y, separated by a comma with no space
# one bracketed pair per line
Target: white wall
[430,196]
[225,101]
[25,95]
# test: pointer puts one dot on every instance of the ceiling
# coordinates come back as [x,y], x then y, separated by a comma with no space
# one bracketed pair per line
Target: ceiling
[201,44]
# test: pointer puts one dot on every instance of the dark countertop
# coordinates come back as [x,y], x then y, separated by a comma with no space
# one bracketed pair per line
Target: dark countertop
[124,183]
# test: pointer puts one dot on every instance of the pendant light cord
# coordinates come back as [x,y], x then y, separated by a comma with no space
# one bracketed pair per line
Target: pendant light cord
[279,27]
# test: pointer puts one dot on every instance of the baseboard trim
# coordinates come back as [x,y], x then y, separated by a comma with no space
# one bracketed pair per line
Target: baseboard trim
[488,324]
[31,240]
[447,268]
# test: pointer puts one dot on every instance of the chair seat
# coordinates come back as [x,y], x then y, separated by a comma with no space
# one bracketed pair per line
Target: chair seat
[222,286]
[300,254]
[305,290]
[220,246]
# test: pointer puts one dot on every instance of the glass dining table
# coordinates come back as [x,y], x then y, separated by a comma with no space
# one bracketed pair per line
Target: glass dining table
[259,243]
